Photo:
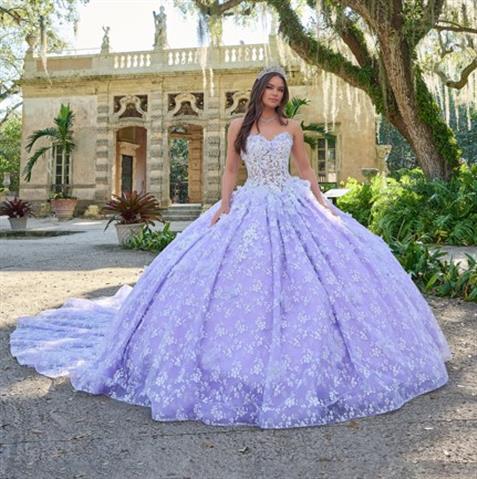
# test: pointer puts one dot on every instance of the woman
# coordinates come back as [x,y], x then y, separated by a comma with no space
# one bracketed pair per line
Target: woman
[274,308]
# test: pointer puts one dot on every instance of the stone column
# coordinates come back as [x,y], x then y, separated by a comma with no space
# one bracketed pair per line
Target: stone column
[156,158]
[105,150]
[212,140]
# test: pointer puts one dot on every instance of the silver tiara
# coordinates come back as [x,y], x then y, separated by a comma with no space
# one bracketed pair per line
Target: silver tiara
[274,69]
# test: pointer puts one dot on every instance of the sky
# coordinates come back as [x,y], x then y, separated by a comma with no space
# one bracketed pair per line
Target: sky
[131,25]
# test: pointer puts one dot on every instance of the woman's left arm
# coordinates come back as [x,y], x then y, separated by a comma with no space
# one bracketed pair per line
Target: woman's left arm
[303,165]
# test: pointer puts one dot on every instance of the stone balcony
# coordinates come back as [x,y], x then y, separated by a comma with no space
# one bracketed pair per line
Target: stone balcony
[92,64]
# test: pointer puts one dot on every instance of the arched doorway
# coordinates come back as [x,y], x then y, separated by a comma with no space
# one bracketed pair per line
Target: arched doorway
[185,161]
[130,163]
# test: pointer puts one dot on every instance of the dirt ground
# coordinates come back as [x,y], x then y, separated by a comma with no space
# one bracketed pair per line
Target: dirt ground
[47,430]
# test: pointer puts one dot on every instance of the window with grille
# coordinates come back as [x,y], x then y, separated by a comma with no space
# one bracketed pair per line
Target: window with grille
[61,169]
[326,159]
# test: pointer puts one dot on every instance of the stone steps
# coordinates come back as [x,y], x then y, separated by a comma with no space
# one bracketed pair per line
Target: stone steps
[182,212]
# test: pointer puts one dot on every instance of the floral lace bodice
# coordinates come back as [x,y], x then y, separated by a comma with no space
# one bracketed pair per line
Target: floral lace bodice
[267,160]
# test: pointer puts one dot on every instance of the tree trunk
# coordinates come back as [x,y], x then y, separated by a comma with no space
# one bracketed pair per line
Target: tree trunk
[427,155]
[432,141]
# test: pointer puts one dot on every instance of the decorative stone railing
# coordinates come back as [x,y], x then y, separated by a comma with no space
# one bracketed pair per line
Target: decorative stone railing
[124,61]
[184,56]
[244,53]
[176,59]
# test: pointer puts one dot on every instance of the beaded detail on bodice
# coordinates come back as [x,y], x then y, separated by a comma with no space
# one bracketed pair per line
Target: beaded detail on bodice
[267,160]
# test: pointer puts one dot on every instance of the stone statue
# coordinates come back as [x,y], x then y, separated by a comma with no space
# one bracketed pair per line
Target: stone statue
[105,43]
[32,41]
[160,34]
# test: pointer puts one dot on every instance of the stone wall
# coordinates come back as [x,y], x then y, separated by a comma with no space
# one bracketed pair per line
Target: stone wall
[92,88]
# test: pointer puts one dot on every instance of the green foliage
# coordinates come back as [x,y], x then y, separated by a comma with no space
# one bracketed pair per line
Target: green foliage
[154,241]
[407,203]
[294,104]
[466,137]
[10,147]
[179,169]
[432,274]
[357,201]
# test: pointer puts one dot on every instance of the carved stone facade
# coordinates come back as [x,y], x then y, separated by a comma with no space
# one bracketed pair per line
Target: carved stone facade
[128,107]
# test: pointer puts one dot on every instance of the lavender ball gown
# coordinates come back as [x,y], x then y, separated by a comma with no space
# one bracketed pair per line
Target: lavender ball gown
[279,315]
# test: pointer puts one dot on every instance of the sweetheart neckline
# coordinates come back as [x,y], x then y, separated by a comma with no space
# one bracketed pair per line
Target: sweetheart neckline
[270,140]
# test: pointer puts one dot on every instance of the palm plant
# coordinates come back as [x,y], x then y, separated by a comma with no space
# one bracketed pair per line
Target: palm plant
[292,108]
[60,138]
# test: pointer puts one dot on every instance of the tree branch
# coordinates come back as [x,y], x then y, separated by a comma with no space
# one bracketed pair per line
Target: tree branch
[216,8]
[459,28]
[315,53]
[375,14]
[433,12]
[11,90]
[9,111]
[463,77]
[353,37]
[12,13]
[420,27]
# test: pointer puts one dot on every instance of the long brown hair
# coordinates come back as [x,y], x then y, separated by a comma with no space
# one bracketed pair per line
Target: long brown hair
[255,109]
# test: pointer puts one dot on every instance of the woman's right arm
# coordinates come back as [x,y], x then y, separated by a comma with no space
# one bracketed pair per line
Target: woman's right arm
[232,163]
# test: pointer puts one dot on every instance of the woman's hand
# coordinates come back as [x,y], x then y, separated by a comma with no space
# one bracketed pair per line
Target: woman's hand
[224,209]
[329,207]
[332,211]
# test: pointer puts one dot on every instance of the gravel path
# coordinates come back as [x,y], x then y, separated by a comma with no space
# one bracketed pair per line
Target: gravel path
[47,430]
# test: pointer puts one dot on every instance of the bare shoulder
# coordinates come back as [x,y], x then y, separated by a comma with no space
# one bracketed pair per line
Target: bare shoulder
[294,126]
[236,123]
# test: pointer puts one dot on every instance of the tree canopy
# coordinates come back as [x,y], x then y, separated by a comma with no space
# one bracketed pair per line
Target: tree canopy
[389,50]
[26,24]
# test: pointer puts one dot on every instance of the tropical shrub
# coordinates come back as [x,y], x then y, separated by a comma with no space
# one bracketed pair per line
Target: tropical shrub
[149,240]
[407,203]
[357,201]
[434,275]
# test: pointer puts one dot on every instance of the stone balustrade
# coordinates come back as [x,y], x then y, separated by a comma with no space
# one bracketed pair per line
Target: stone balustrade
[166,60]
[124,61]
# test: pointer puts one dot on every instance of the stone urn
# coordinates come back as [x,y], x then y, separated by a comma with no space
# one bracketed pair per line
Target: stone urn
[369,173]
[92,211]
[64,207]
[125,232]
[18,223]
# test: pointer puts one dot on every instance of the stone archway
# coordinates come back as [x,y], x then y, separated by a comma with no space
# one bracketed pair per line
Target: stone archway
[190,189]
[129,169]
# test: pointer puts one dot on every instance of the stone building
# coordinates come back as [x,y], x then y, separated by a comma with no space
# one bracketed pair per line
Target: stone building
[129,107]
